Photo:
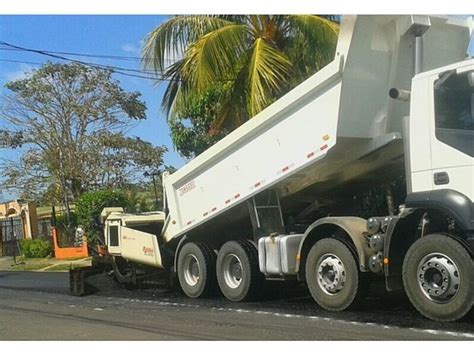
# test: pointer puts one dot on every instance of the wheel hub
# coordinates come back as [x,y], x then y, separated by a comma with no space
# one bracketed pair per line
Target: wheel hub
[236,271]
[438,277]
[195,270]
[232,269]
[331,274]
[192,270]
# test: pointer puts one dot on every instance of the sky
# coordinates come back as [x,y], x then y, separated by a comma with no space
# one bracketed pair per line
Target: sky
[118,35]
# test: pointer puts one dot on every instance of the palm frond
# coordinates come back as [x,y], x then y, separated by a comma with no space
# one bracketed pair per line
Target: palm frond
[213,57]
[268,69]
[320,35]
[171,38]
[315,26]
[310,44]
[175,88]
[233,110]
[242,19]
[256,58]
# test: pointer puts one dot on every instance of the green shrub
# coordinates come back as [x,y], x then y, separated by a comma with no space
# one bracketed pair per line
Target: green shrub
[90,205]
[35,248]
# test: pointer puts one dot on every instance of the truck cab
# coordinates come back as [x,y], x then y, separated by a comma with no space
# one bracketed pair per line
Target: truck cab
[441,131]
[429,245]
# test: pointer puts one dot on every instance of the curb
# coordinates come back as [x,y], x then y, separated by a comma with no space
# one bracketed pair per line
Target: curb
[70,262]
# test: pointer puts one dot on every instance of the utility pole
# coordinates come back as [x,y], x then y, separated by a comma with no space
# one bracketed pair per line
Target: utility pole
[146,174]
[156,192]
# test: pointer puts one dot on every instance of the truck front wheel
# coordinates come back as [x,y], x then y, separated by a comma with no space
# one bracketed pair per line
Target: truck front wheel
[238,274]
[438,277]
[196,269]
[332,275]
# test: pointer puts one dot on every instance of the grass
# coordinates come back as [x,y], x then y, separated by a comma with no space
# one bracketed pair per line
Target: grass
[33,264]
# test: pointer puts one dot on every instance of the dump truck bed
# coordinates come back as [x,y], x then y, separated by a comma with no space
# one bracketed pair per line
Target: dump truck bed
[333,127]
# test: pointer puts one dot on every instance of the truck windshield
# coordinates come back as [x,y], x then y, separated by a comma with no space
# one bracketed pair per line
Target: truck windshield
[454,105]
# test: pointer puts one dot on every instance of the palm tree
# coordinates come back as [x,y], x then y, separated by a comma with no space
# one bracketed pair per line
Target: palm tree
[252,60]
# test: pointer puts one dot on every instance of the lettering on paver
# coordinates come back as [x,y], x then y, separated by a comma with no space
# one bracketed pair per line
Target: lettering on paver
[148,251]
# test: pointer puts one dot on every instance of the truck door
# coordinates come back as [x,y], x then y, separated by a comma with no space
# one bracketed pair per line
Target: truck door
[452,142]
[114,236]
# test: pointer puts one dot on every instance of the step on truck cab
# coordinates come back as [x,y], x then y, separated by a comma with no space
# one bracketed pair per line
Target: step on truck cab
[274,198]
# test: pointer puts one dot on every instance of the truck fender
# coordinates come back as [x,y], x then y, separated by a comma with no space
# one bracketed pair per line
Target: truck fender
[181,242]
[353,229]
[451,202]
[403,230]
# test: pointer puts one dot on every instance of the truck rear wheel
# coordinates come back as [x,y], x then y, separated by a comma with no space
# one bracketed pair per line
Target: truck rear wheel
[332,275]
[238,274]
[196,269]
[438,277]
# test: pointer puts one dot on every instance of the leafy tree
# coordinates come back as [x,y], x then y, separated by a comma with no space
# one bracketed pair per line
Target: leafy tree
[143,197]
[256,58]
[10,139]
[71,120]
[90,205]
[192,132]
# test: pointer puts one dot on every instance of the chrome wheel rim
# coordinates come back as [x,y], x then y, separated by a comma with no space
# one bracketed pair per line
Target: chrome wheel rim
[331,274]
[232,271]
[192,270]
[438,277]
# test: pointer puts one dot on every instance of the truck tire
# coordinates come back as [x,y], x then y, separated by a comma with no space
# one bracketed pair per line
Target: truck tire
[238,275]
[196,269]
[332,275]
[438,277]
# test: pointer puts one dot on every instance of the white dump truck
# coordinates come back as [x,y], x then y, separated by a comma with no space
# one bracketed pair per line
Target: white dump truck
[274,199]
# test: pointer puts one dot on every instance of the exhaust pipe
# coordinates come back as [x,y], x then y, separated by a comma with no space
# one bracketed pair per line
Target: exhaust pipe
[398,94]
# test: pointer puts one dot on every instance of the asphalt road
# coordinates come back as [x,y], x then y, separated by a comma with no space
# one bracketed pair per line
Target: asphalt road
[36,306]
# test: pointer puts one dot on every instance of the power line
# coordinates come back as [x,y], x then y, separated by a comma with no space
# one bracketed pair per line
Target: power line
[90,65]
[114,69]
[103,56]
[20,61]
[46,53]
